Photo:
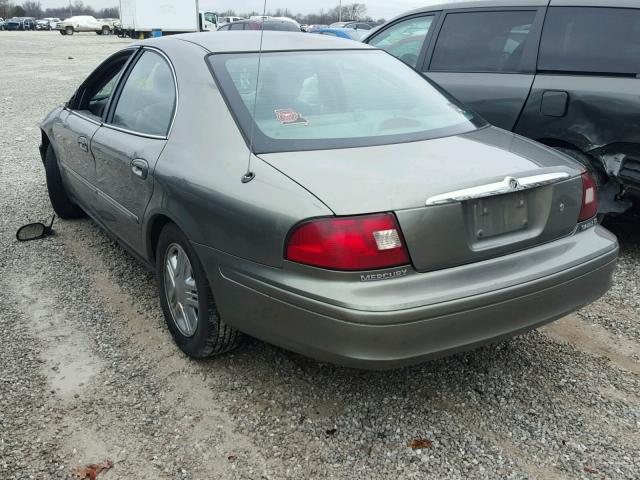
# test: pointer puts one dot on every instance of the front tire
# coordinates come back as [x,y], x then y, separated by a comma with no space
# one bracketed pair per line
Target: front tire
[60,201]
[68,31]
[187,300]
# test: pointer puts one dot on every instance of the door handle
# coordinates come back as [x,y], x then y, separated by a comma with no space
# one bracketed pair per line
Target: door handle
[83,143]
[140,168]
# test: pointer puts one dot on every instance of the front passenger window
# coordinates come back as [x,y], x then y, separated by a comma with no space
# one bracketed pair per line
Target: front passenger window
[148,97]
[404,39]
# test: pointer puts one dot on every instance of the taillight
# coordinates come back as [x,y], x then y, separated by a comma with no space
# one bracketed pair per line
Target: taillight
[367,242]
[589,198]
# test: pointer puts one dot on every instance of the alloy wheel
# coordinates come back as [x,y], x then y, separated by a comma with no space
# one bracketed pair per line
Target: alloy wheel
[181,290]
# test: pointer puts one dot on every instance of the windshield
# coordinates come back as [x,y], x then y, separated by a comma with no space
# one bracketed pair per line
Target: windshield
[317,100]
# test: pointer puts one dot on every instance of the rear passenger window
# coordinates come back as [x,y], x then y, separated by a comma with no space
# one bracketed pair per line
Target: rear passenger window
[404,40]
[591,40]
[148,97]
[483,42]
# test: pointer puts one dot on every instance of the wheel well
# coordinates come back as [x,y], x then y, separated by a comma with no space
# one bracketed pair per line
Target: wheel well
[44,145]
[157,224]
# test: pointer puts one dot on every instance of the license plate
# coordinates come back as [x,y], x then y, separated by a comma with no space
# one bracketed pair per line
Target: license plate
[500,214]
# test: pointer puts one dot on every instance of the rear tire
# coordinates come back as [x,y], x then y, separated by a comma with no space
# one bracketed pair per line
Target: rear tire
[60,201]
[210,335]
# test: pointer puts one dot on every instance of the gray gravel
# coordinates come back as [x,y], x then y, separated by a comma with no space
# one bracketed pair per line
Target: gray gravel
[89,371]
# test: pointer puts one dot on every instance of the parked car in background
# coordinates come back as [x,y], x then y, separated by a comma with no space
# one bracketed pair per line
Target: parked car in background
[20,23]
[365,219]
[358,26]
[84,23]
[270,24]
[563,72]
[113,23]
[225,20]
[354,25]
[347,33]
[1,23]
[48,23]
[316,27]
[30,23]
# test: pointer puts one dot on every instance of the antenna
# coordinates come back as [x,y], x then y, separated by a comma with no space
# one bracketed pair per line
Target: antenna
[249,175]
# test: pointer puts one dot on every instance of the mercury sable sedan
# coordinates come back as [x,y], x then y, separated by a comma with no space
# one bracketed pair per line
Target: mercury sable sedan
[368,220]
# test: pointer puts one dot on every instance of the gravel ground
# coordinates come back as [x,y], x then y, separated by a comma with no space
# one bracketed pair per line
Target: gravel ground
[89,371]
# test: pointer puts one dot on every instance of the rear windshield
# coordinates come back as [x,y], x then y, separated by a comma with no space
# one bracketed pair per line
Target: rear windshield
[318,100]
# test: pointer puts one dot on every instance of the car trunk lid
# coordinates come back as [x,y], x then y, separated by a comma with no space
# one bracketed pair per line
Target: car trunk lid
[455,198]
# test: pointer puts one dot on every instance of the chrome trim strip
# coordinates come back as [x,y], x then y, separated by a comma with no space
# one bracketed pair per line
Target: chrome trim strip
[508,185]
[102,195]
[84,117]
[78,177]
[117,205]
[133,132]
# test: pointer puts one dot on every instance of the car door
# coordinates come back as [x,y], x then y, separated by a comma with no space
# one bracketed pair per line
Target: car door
[83,24]
[128,145]
[487,58]
[407,38]
[78,124]
[586,92]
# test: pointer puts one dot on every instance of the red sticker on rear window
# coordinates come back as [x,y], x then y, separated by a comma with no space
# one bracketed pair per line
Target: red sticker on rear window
[288,116]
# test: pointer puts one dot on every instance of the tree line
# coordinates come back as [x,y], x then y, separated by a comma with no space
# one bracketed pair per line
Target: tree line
[10,9]
[352,11]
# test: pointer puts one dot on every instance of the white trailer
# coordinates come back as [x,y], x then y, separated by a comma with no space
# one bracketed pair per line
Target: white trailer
[141,17]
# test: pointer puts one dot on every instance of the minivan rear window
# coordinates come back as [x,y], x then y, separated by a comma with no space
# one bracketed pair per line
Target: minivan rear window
[318,100]
[591,40]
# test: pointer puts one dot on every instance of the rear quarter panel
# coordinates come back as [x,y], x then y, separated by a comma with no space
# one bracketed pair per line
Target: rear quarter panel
[198,176]
[600,111]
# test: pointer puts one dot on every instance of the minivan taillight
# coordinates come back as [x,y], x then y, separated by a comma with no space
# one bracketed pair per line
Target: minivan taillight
[367,242]
[589,198]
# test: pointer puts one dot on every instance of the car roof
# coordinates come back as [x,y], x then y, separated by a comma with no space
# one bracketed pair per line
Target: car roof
[595,3]
[221,42]
[458,4]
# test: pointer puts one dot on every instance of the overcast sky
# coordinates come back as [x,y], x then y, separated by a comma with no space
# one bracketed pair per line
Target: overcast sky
[375,8]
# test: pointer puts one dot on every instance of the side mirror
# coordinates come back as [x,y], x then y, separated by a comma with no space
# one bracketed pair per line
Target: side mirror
[34,231]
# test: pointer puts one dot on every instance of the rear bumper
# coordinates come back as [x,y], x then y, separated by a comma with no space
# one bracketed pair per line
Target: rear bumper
[386,339]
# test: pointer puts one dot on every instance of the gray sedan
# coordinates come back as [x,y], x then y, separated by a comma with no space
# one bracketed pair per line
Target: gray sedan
[368,220]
